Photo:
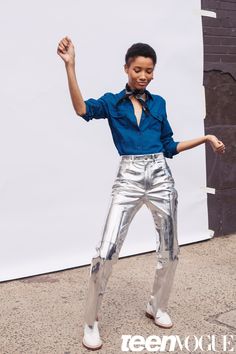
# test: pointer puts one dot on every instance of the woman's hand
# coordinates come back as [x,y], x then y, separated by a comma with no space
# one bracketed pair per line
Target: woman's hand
[66,50]
[216,144]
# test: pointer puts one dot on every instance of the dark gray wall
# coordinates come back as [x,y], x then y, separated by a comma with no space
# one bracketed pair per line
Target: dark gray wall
[219,36]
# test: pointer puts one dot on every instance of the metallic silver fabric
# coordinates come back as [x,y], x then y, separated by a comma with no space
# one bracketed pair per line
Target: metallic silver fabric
[141,179]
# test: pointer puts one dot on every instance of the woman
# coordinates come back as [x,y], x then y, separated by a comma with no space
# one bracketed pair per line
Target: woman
[143,137]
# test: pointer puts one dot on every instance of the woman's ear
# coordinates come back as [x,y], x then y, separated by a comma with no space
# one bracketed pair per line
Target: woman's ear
[126,68]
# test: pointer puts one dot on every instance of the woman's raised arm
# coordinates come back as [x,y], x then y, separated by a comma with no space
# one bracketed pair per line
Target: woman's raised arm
[66,51]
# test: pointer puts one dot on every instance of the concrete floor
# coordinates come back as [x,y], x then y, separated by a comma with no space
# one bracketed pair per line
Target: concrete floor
[44,314]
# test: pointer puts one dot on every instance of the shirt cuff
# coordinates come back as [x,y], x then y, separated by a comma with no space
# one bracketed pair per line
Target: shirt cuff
[88,115]
[172,150]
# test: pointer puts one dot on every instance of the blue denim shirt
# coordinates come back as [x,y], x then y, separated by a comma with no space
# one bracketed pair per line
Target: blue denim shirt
[152,135]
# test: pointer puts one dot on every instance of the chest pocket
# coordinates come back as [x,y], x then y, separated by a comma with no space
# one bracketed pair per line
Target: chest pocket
[119,118]
[156,118]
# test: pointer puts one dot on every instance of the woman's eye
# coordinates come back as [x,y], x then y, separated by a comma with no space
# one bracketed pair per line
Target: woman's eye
[138,71]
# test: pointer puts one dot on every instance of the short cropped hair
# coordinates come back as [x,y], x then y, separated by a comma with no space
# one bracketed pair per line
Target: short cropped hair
[140,49]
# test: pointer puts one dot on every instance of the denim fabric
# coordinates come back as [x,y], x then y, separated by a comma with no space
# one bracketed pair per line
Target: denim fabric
[152,135]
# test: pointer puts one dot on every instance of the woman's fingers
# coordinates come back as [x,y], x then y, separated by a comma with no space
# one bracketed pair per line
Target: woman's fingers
[64,43]
[221,148]
[220,144]
[61,49]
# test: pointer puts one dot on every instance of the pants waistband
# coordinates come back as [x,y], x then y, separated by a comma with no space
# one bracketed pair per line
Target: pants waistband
[158,155]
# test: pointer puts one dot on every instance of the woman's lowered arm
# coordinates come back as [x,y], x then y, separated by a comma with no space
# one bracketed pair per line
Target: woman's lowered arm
[217,145]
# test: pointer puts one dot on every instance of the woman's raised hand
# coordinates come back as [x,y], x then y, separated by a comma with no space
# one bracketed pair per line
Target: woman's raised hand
[66,50]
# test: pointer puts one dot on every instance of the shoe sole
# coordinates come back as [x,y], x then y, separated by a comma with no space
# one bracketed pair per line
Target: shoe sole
[157,324]
[91,348]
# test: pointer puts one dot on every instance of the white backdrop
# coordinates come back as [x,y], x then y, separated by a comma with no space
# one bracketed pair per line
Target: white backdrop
[57,170]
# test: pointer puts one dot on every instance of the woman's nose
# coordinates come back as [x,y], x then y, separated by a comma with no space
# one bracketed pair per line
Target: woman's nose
[143,76]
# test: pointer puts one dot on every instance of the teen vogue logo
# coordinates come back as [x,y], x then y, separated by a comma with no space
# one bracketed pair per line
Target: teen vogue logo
[191,343]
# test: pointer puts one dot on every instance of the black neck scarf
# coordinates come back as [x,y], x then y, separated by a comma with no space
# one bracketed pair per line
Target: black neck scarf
[137,93]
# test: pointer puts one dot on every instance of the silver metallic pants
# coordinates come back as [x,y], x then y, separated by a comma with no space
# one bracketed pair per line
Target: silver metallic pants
[141,179]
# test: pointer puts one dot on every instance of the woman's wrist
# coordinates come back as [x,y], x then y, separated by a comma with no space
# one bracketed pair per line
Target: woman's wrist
[208,137]
[70,64]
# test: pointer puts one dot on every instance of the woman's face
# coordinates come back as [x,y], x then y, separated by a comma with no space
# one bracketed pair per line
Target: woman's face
[140,72]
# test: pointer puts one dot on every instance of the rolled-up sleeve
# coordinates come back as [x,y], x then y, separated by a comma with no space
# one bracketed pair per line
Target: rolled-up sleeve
[169,144]
[96,108]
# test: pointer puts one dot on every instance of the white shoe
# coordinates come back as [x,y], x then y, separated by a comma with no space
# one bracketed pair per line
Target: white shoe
[162,319]
[91,339]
